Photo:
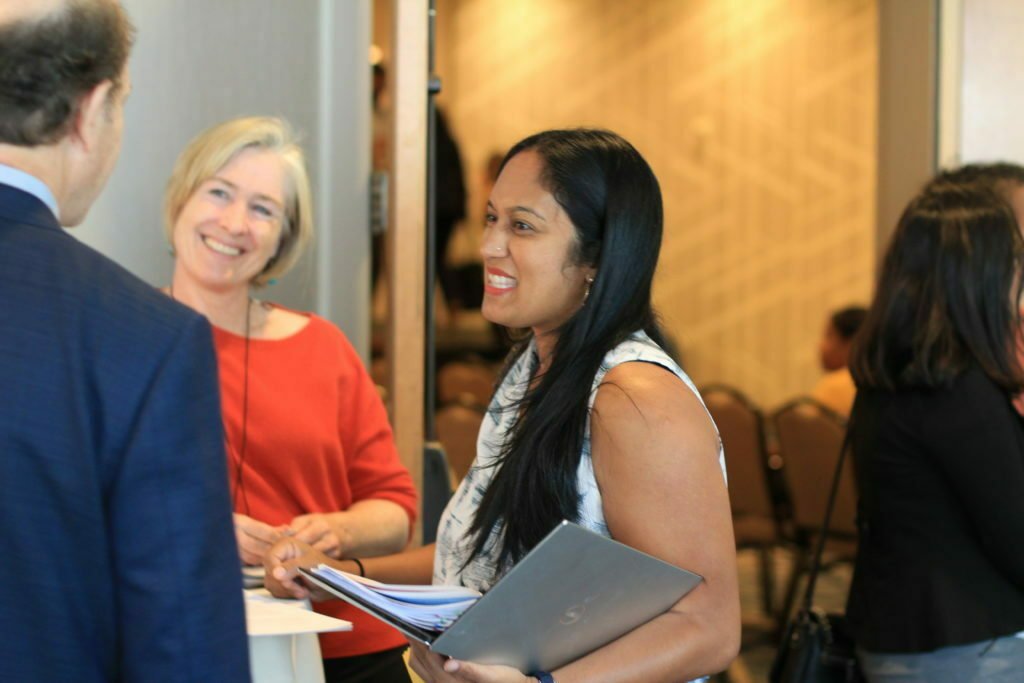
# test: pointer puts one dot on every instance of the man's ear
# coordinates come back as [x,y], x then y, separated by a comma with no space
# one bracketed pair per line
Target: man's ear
[92,112]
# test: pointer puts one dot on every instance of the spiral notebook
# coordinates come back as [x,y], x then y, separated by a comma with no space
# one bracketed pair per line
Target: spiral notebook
[573,593]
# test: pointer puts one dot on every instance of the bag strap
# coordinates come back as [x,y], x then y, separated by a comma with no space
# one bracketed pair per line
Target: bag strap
[812,575]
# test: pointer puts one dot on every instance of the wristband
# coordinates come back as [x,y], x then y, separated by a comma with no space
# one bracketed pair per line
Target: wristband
[362,569]
[543,677]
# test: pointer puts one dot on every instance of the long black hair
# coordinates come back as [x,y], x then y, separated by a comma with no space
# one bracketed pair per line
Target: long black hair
[947,296]
[614,202]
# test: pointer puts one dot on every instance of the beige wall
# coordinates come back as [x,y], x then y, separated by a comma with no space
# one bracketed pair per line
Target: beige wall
[759,118]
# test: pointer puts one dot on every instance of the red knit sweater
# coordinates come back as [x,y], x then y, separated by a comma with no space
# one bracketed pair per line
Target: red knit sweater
[317,440]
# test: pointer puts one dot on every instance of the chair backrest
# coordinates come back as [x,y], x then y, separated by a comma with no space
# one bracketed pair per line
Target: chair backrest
[463,382]
[741,426]
[457,427]
[810,436]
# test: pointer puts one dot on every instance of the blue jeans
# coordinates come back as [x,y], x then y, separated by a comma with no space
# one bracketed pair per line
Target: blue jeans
[992,661]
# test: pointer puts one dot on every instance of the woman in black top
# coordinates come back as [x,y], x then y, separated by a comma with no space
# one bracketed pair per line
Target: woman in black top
[938,587]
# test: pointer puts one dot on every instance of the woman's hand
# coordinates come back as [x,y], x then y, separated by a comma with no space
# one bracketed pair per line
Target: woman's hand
[282,576]
[435,668]
[254,538]
[320,531]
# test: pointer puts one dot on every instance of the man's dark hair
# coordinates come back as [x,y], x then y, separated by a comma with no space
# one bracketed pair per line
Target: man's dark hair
[48,63]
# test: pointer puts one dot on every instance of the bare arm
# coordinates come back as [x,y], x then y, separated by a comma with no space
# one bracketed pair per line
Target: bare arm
[414,566]
[655,455]
[368,528]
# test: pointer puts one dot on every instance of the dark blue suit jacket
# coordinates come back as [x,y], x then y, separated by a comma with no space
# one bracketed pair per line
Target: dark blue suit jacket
[117,555]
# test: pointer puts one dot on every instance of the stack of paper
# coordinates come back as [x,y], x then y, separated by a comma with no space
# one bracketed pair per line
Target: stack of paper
[431,608]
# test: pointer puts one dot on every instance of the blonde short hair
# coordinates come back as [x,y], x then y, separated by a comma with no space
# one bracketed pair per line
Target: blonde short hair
[212,149]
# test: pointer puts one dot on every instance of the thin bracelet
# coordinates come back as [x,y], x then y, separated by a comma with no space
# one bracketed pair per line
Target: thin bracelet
[362,569]
[543,677]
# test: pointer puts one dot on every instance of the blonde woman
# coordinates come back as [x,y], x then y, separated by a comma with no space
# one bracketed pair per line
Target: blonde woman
[310,450]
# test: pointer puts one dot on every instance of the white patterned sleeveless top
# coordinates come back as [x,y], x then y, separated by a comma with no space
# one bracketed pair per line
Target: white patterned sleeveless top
[454,544]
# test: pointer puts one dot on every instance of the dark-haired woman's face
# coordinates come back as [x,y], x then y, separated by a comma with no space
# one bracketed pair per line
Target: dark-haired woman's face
[530,279]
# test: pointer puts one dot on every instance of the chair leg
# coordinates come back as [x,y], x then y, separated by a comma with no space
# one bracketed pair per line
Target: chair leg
[767,580]
[799,569]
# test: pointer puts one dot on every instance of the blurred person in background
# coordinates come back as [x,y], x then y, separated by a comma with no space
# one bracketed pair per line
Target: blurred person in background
[450,185]
[938,585]
[836,389]
[1005,179]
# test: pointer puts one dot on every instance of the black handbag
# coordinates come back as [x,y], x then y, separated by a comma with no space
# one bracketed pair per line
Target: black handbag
[817,647]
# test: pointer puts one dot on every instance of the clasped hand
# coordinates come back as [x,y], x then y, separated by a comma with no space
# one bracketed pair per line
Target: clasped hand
[255,538]
[283,580]
[282,564]
[318,531]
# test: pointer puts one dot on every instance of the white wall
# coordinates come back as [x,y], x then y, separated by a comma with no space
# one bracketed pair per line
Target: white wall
[991,102]
[197,62]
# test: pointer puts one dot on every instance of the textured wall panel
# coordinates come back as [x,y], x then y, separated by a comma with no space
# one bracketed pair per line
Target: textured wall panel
[759,118]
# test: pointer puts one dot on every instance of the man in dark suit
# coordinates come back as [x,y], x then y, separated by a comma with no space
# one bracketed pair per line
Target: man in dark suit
[117,555]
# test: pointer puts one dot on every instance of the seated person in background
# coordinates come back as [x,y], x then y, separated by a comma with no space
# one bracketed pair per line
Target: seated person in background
[592,420]
[836,389]
[310,449]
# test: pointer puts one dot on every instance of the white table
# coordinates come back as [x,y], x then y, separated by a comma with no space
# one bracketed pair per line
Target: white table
[283,645]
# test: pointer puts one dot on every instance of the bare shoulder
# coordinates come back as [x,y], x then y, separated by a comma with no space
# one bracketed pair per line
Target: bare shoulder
[655,453]
[645,399]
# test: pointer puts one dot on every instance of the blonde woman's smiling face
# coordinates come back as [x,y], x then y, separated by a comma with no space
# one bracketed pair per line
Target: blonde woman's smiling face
[231,226]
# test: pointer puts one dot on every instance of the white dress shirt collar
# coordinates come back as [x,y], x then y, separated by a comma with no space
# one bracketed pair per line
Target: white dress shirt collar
[27,182]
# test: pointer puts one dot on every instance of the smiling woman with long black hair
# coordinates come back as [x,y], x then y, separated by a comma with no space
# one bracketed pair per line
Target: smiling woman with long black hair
[592,421]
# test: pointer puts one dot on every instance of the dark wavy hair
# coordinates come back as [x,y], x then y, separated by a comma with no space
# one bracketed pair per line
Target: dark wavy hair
[48,63]
[947,296]
[614,202]
[1001,177]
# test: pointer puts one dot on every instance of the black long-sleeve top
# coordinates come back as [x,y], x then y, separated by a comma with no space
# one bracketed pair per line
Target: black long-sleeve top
[941,517]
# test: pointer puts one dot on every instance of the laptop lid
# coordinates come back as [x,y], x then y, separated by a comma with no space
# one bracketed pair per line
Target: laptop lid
[573,593]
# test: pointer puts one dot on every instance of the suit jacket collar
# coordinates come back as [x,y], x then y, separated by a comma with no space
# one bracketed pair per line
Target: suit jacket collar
[22,207]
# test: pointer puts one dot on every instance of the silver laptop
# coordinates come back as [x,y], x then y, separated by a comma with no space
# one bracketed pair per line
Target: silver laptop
[573,593]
